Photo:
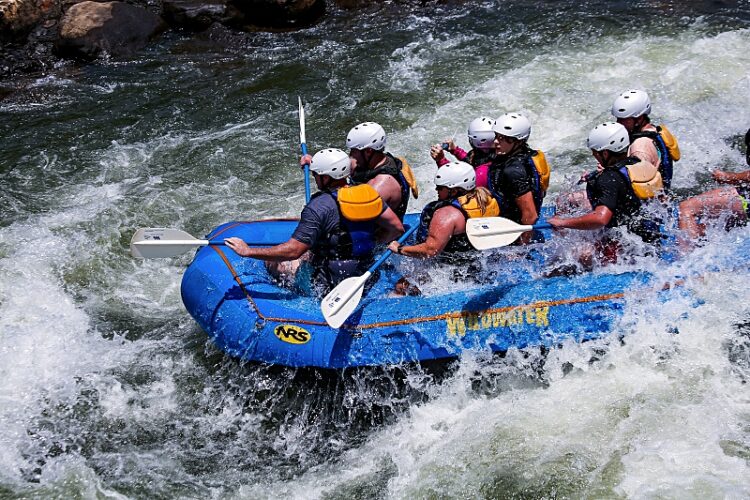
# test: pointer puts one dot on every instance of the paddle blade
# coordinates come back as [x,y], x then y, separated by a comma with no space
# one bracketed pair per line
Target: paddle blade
[301,121]
[158,242]
[341,302]
[493,232]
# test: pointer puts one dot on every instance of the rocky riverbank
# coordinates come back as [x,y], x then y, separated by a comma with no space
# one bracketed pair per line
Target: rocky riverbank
[38,35]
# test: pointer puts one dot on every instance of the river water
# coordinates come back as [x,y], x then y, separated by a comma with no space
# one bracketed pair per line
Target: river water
[108,389]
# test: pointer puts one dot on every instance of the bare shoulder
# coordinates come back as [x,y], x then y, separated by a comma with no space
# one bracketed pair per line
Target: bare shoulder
[449,218]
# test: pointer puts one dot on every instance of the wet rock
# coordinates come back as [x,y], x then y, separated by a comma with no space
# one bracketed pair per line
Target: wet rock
[89,29]
[19,17]
[247,14]
[194,15]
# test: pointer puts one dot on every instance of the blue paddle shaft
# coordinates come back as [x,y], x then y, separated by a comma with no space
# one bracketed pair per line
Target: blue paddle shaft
[303,146]
[388,253]
[542,225]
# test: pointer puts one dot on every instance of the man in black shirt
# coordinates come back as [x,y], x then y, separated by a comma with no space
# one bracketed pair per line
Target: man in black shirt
[339,247]
[613,200]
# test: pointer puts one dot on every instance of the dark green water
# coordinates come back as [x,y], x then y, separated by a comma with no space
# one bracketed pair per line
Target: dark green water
[108,388]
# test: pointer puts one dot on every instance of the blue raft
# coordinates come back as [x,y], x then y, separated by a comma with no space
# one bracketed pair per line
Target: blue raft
[248,316]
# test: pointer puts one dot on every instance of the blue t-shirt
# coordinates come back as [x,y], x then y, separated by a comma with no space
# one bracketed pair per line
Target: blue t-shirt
[319,218]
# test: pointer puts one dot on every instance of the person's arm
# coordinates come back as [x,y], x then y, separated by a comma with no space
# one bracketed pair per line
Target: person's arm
[442,227]
[390,225]
[596,219]
[526,205]
[316,219]
[459,153]
[289,250]
[529,215]
[735,178]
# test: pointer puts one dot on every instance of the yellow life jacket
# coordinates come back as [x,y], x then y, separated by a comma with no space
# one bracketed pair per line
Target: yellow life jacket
[408,174]
[470,206]
[670,141]
[359,203]
[644,177]
[539,161]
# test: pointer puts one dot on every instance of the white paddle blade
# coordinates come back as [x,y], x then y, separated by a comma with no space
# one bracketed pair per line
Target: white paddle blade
[158,242]
[493,232]
[341,302]
[301,121]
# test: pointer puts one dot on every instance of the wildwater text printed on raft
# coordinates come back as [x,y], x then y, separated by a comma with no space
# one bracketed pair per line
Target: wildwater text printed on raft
[537,316]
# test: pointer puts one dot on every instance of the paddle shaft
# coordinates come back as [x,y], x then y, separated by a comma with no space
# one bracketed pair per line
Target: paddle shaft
[388,252]
[197,243]
[518,229]
[303,147]
[363,279]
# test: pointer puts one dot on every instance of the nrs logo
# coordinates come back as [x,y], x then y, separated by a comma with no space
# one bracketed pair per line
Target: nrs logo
[292,334]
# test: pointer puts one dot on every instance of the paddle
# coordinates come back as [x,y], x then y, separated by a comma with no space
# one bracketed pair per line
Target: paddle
[157,242]
[303,147]
[341,302]
[494,232]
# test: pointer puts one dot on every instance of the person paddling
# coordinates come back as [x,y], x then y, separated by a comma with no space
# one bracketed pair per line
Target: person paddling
[617,192]
[338,228]
[519,175]
[481,138]
[442,226]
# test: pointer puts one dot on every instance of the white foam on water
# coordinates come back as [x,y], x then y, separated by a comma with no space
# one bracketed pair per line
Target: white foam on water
[49,344]
[650,417]
[47,340]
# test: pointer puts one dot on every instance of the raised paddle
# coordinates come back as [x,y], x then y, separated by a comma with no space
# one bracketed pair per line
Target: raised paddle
[493,232]
[303,147]
[341,302]
[158,242]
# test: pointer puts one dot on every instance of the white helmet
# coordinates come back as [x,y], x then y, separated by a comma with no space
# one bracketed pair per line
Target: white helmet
[480,132]
[611,136]
[631,104]
[456,174]
[332,162]
[513,125]
[366,135]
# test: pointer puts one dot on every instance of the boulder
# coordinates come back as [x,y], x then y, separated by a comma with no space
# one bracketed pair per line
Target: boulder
[89,29]
[19,17]
[275,13]
[194,15]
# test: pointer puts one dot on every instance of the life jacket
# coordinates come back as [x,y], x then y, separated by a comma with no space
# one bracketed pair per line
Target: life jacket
[645,182]
[644,178]
[400,170]
[540,172]
[469,207]
[667,147]
[358,206]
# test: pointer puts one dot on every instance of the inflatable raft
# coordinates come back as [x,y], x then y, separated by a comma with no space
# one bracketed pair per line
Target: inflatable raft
[248,316]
